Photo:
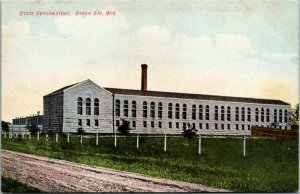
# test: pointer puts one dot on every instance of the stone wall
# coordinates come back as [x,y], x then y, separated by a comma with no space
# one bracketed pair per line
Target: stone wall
[189,102]
[53,112]
[87,89]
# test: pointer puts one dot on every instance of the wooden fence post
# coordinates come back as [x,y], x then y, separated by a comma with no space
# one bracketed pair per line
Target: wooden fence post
[80,139]
[244,146]
[68,138]
[38,136]
[96,139]
[56,137]
[165,143]
[137,141]
[46,137]
[115,143]
[199,145]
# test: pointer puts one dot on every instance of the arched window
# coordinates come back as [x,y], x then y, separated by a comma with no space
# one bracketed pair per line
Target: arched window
[194,112]
[280,115]
[177,109]
[117,108]
[152,109]
[228,113]
[237,113]
[170,113]
[248,114]
[285,116]
[200,112]
[125,108]
[222,113]
[79,106]
[133,109]
[184,111]
[216,113]
[207,112]
[268,115]
[256,115]
[88,106]
[275,115]
[96,106]
[145,109]
[160,110]
[262,115]
[243,114]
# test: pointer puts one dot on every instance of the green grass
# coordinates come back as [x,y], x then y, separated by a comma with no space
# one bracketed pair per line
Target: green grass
[11,185]
[270,165]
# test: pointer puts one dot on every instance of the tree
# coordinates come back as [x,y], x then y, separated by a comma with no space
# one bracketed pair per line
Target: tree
[295,115]
[33,128]
[4,126]
[189,132]
[124,129]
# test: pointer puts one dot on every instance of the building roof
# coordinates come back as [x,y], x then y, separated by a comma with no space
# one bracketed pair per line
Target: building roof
[60,90]
[194,96]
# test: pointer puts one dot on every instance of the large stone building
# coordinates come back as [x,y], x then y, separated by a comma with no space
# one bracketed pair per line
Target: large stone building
[96,109]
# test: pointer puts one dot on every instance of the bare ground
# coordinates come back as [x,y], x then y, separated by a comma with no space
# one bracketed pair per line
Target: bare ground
[52,175]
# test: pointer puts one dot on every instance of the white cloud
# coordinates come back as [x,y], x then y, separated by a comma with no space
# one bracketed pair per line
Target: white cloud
[280,58]
[153,34]
[233,42]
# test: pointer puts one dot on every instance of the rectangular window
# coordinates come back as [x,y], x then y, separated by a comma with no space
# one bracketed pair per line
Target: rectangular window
[79,122]
[207,126]
[228,126]
[184,125]
[159,124]
[237,127]
[194,126]
[170,125]
[200,125]
[249,127]
[117,123]
[222,126]
[133,124]
[243,127]
[145,124]
[177,125]
[88,122]
[152,124]
[96,122]
[216,126]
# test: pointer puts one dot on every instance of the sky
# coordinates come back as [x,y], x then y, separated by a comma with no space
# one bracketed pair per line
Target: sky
[233,48]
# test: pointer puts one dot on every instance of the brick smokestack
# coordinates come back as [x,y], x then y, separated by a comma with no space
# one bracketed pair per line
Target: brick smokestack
[144,77]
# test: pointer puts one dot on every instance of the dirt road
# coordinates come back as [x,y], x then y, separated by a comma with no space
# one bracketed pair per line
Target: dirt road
[52,175]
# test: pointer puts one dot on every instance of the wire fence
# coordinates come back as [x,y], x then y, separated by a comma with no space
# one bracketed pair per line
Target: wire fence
[66,137]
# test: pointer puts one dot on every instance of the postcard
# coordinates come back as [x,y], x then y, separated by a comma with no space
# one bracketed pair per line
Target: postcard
[150,96]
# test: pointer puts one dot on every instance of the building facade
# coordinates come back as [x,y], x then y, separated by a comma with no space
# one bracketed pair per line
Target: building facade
[95,109]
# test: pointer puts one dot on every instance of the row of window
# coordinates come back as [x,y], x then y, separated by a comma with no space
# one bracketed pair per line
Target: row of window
[201,126]
[203,111]
[88,104]
[184,125]
[88,122]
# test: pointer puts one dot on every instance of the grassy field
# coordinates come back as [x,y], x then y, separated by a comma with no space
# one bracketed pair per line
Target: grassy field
[10,185]
[270,165]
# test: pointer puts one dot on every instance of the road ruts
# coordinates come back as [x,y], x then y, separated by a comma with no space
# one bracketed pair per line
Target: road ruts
[52,175]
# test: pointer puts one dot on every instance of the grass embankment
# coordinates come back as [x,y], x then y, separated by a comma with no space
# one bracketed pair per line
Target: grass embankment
[270,165]
[9,185]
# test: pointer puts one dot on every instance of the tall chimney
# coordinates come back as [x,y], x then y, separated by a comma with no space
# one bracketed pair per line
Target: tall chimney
[144,77]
